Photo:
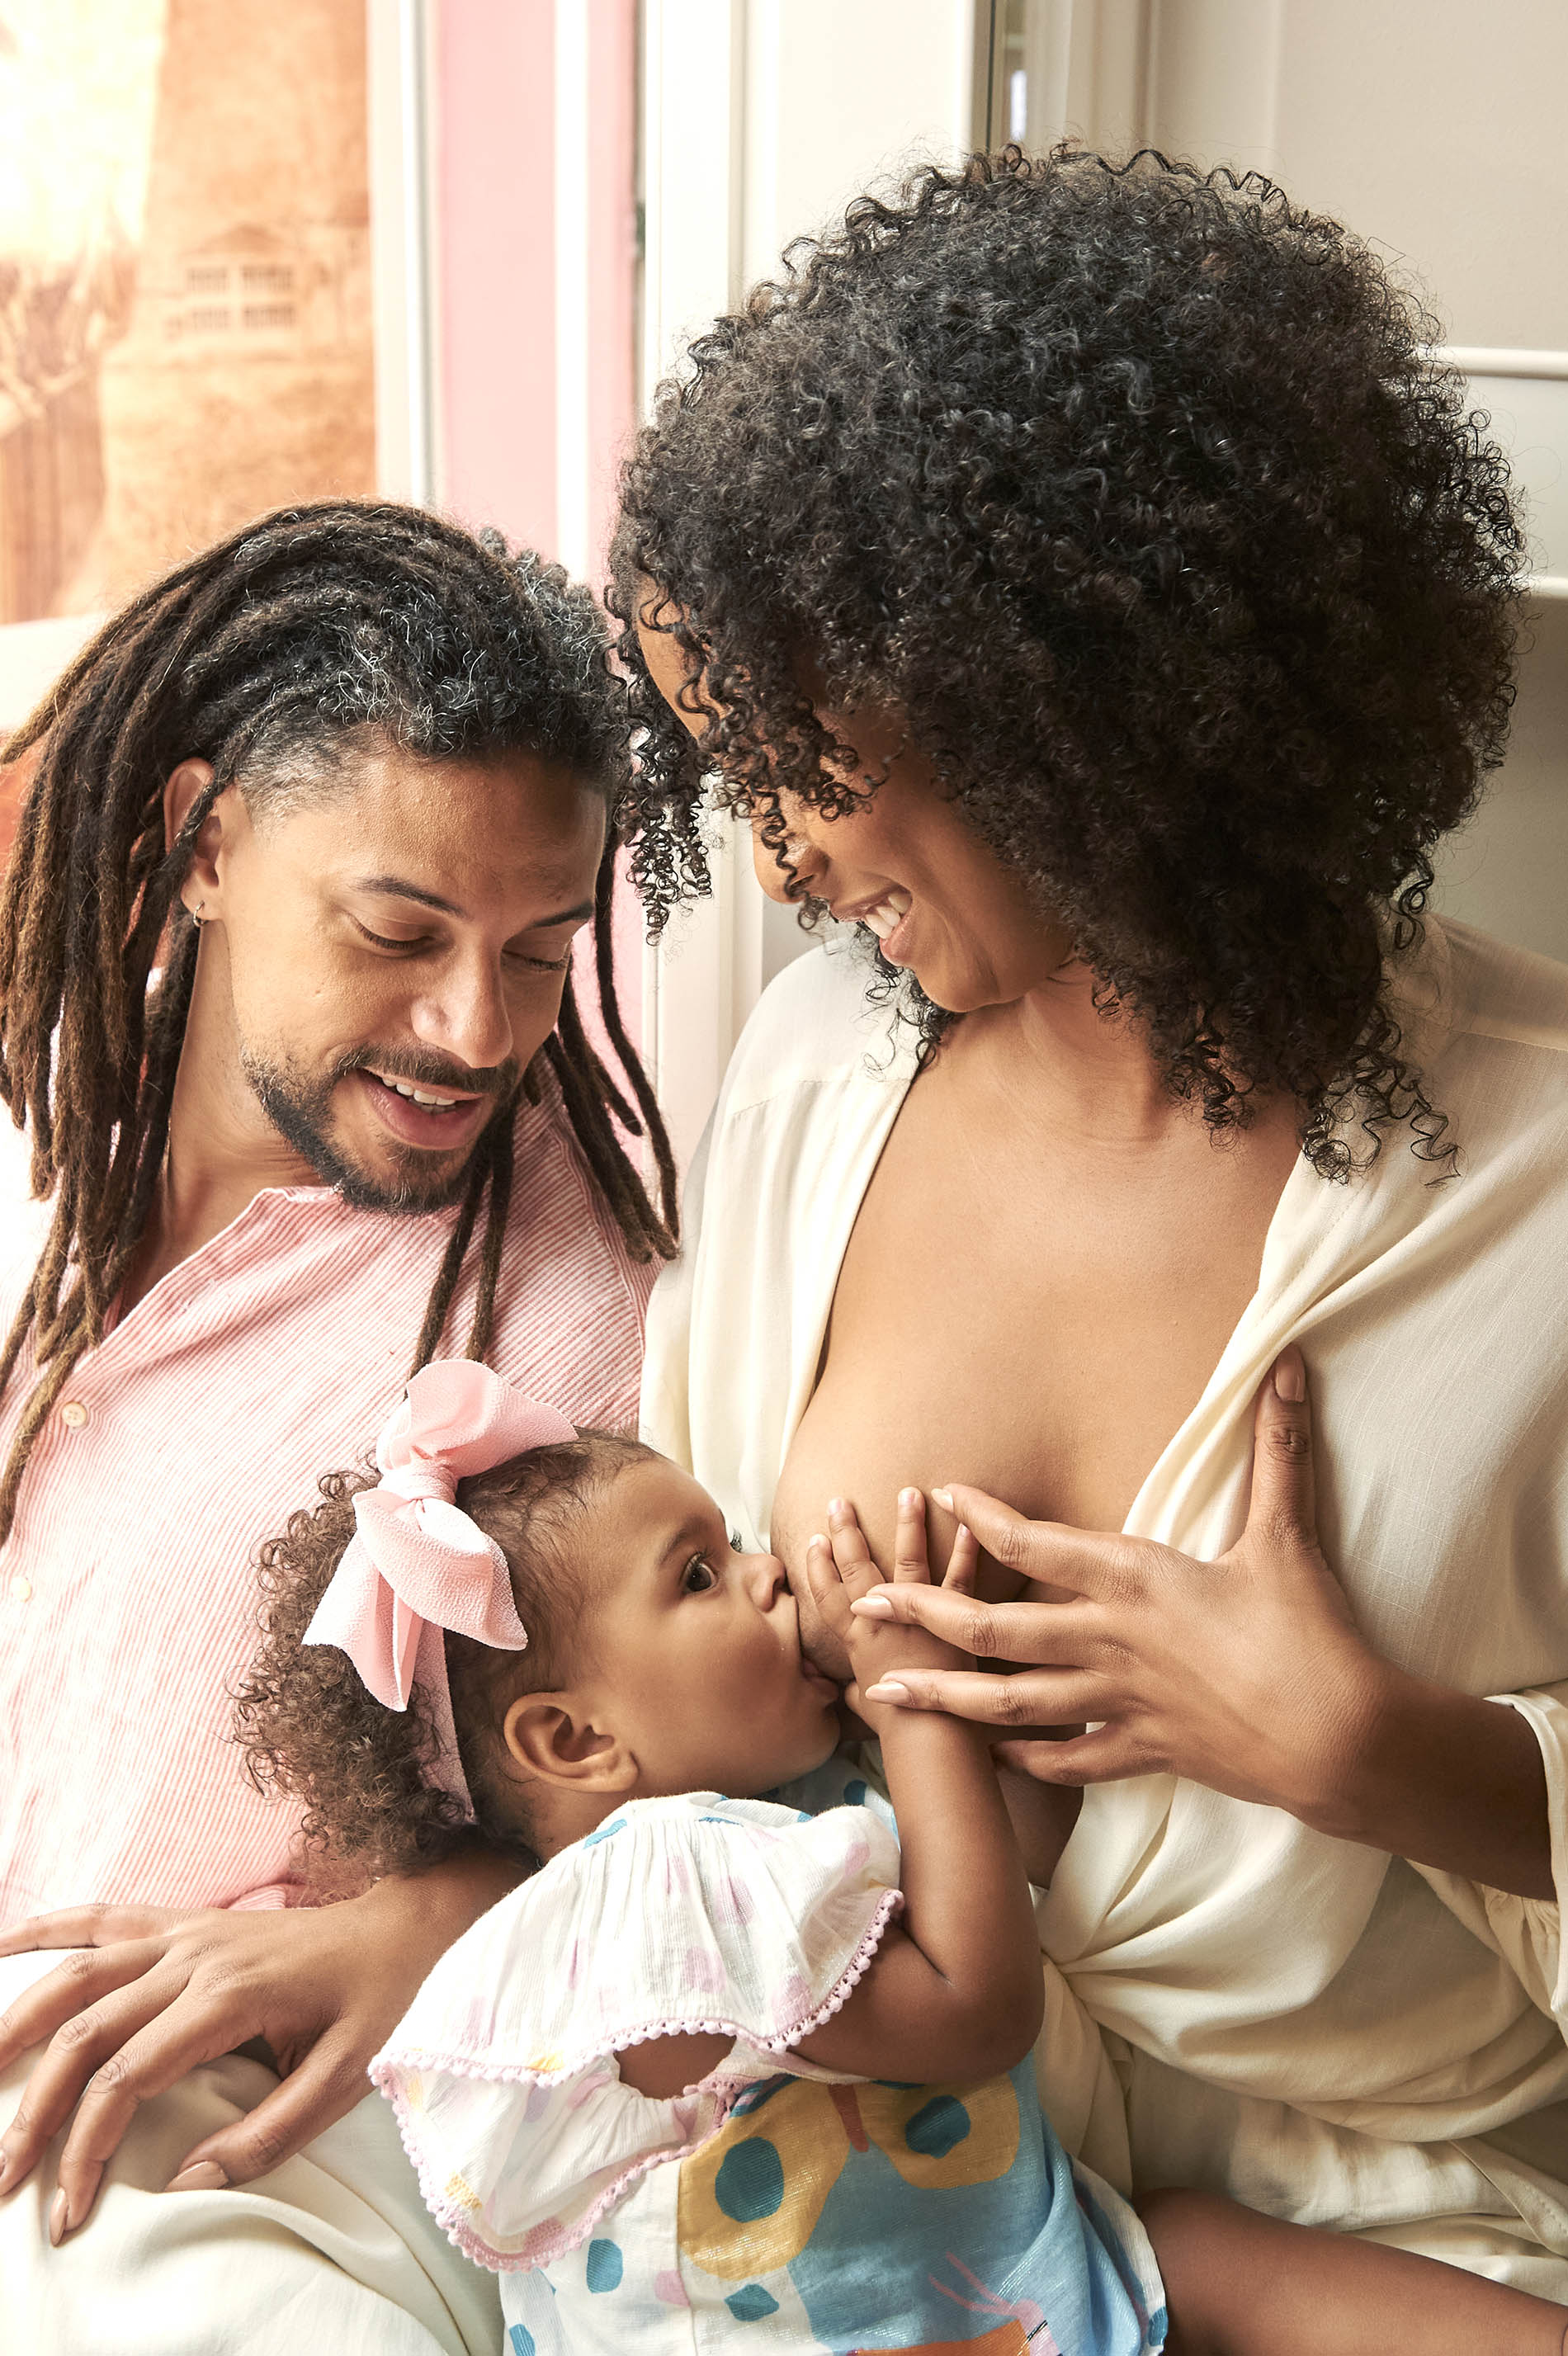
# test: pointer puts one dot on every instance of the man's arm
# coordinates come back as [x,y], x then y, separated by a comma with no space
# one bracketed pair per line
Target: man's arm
[153,1994]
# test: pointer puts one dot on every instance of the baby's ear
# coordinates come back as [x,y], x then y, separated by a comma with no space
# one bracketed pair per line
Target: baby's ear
[551,1738]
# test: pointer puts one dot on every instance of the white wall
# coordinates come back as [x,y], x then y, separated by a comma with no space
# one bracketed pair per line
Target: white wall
[761,119]
[1436,132]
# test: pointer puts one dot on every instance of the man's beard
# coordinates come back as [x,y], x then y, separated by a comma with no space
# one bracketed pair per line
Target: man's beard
[300,1110]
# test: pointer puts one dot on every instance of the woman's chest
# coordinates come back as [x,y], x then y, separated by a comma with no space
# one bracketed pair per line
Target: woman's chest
[1028,1312]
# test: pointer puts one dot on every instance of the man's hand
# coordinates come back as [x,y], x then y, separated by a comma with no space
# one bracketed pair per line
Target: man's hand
[840,1569]
[153,1994]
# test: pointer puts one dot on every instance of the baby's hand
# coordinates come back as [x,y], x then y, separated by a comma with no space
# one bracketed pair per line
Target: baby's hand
[840,1569]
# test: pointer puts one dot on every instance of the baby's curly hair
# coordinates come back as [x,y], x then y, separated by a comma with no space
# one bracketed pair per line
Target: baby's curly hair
[1138,493]
[360,1772]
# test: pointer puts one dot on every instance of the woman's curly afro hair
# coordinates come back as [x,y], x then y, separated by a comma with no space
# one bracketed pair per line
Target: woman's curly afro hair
[1139,494]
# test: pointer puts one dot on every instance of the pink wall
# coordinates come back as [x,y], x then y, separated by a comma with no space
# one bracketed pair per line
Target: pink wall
[495,185]
[612,253]
[495,138]
[494,102]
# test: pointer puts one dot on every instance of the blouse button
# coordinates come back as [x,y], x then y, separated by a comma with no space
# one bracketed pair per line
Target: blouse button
[73,1415]
[21,1589]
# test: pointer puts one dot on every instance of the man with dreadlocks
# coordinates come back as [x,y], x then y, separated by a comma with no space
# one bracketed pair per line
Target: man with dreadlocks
[286,1010]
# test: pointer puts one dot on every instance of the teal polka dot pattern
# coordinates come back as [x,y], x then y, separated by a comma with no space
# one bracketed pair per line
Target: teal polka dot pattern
[603,1832]
[521,2341]
[750,2184]
[938,2127]
[750,2305]
[606,2266]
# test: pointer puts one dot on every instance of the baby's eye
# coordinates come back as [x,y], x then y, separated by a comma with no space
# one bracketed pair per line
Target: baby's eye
[698,1576]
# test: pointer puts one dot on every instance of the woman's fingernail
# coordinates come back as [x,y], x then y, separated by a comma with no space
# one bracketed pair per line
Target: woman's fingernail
[1290,1378]
[872,1607]
[942,1497]
[205,2177]
[835,1508]
[908,1499]
[888,1689]
[816,1538]
[59,2220]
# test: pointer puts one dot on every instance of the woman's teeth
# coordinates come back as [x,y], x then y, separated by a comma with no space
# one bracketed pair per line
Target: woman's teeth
[888,915]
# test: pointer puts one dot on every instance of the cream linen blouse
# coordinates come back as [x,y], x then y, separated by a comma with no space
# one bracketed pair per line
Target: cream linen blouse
[1327,2033]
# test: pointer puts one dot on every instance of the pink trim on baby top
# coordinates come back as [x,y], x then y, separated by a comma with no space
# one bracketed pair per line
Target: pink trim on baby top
[554,2237]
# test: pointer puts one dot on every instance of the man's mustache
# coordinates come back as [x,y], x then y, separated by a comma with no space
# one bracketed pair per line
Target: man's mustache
[431,1071]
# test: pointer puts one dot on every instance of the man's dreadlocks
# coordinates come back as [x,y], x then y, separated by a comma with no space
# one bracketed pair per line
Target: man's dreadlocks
[261,656]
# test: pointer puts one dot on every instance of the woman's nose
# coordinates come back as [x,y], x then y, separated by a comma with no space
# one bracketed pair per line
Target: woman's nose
[805,863]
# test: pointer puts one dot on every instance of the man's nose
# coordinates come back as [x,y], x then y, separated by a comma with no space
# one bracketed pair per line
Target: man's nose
[467,1017]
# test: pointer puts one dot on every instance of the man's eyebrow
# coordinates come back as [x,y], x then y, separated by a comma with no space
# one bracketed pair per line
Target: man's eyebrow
[397,887]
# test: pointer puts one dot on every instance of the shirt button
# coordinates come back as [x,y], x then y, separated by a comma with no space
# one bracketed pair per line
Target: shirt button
[21,1589]
[73,1415]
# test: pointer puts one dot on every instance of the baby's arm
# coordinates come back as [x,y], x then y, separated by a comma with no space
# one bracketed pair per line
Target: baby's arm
[1043,1815]
[955,1991]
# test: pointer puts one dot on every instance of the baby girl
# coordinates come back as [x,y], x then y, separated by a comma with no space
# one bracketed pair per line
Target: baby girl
[749,2056]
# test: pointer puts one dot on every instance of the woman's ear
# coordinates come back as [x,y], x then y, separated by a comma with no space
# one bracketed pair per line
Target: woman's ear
[552,1737]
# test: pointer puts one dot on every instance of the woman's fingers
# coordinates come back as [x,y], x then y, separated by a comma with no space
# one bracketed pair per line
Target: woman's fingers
[1057,1635]
[1054,1553]
[324,2088]
[46,2009]
[1033,1697]
[910,1564]
[1284,1501]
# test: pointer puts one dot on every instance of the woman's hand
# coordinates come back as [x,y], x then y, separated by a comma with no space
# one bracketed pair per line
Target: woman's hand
[839,1570]
[154,1994]
[1247,1674]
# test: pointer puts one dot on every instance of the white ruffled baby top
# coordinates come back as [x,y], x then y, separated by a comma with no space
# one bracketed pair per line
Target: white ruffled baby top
[818,2211]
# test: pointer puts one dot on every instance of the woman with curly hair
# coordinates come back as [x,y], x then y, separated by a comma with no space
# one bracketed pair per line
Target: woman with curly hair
[1095,596]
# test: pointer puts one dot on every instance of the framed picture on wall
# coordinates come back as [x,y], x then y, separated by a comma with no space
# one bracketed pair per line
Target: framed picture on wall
[186,329]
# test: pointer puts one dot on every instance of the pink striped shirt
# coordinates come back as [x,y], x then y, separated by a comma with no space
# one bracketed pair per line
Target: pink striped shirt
[127,1591]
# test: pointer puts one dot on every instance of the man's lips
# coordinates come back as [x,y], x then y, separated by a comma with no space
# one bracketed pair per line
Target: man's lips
[439,1121]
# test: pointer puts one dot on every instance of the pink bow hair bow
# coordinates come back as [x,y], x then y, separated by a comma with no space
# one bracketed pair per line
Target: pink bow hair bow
[417,1564]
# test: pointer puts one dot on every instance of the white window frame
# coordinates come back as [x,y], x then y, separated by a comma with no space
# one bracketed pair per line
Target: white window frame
[733,164]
